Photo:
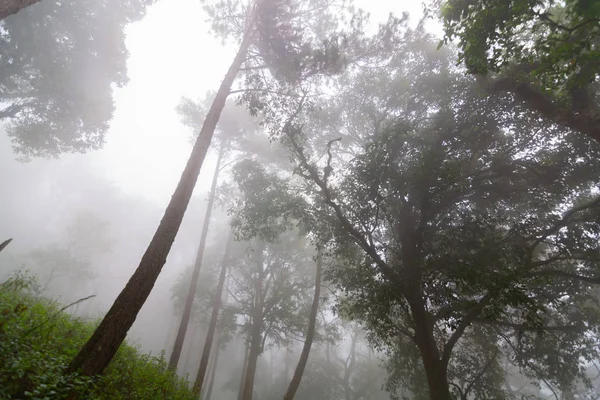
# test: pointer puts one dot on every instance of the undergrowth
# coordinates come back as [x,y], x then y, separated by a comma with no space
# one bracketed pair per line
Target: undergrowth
[38,339]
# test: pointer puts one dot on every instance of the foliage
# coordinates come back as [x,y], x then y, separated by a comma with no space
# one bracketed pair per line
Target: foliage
[546,52]
[333,372]
[560,38]
[59,62]
[430,202]
[284,281]
[37,339]
[235,124]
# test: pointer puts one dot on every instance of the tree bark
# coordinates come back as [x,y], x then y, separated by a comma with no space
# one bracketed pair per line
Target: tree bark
[215,364]
[213,370]
[349,365]
[256,329]
[190,350]
[435,369]
[310,334]
[244,366]
[4,244]
[10,7]
[99,350]
[210,334]
[189,300]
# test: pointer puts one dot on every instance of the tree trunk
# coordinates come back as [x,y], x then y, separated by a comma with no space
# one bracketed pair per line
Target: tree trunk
[435,369]
[4,244]
[189,300]
[349,366]
[253,355]
[210,334]
[310,333]
[213,370]
[10,7]
[256,329]
[191,347]
[215,364]
[244,366]
[170,329]
[286,370]
[96,354]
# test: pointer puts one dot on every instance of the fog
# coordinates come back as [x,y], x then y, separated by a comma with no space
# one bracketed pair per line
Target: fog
[393,173]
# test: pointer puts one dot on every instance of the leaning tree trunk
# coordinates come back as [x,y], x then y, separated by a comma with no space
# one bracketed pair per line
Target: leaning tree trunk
[96,354]
[210,334]
[10,7]
[6,242]
[189,300]
[310,333]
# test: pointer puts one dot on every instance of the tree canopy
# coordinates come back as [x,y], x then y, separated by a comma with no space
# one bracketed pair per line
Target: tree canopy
[546,52]
[457,220]
[59,63]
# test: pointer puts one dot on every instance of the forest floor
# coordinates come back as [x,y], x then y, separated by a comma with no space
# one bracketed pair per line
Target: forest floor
[38,338]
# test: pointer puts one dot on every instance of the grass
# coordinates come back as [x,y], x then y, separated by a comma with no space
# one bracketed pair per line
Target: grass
[38,339]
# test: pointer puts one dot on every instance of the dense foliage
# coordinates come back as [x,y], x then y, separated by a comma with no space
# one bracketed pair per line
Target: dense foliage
[456,221]
[59,61]
[546,52]
[37,339]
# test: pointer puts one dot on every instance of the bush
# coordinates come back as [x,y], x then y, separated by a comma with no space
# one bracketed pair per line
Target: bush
[37,340]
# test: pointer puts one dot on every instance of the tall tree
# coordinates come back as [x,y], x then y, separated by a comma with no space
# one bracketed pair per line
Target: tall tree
[233,130]
[212,326]
[437,229]
[272,292]
[258,31]
[310,333]
[546,53]
[95,355]
[58,74]
[191,294]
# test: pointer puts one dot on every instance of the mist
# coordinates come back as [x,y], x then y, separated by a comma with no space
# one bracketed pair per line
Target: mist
[311,200]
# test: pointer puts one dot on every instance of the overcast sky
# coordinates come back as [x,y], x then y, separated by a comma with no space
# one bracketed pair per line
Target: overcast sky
[172,54]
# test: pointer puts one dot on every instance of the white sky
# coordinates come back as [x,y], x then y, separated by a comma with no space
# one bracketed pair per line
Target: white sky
[172,54]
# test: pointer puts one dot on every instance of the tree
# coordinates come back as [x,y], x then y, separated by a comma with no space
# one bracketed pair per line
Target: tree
[57,75]
[208,343]
[348,370]
[546,53]
[255,33]
[233,130]
[187,309]
[272,294]
[310,333]
[10,7]
[436,227]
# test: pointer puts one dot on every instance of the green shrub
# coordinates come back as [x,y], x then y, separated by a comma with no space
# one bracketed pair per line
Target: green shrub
[37,340]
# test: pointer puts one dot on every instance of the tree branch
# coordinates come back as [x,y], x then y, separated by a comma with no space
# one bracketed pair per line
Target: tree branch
[466,321]
[533,98]
[328,198]
[479,375]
